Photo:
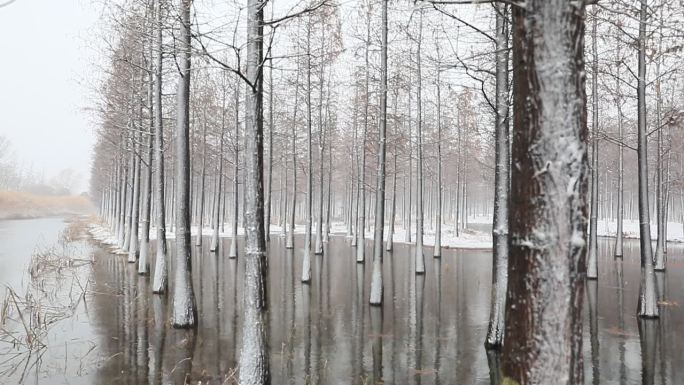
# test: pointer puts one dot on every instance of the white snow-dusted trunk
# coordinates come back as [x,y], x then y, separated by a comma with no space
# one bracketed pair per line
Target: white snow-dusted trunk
[184,312]
[419,255]
[547,213]
[202,183]
[253,368]
[133,245]
[306,259]
[619,236]
[232,253]
[592,252]
[376,275]
[160,281]
[438,209]
[647,306]
[289,243]
[660,257]
[143,261]
[217,196]
[495,331]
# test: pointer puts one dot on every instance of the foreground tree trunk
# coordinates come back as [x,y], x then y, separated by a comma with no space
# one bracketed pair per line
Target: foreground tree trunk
[495,333]
[376,277]
[306,260]
[253,367]
[647,306]
[160,281]
[184,313]
[619,236]
[143,261]
[420,257]
[547,243]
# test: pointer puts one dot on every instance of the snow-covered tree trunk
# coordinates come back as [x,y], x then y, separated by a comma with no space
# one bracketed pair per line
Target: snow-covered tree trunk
[143,261]
[133,245]
[660,257]
[495,331]
[592,252]
[318,250]
[160,281]
[306,260]
[289,243]
[547,214]
[361,225]
[619,235]
[438,209]
[215,241]
[184,313]
[647,306]
[376,275]
[202,184]
[253,366]
[232,253]
[269,176]
[419,256]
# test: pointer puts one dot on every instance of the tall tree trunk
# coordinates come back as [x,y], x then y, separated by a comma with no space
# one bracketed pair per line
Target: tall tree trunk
[219,183]
[420,257]
[438,209]
[619,235]
[376,277]
[592,252]
[660,257]
[306,260]
[293,206]
[393,206]
[160,281]
[202,184]
[647,306]
[253,366]
[547,214]
[184,310]
[321,148]
[133,246]
[495,331]
[361,226]
[233,252]
[269,176]
[143,261]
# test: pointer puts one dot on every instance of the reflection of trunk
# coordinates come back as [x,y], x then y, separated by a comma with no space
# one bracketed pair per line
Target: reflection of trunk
[648,334]
[592,252]
[376,317]
[495,333]
[620,285]
[647,306]
[160,270]
[376,275]
[547,213]
[494,362]
[253,365]
[420,258]
[184,309]
[592,298]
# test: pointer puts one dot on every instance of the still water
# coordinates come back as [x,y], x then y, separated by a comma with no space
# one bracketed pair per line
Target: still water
[430,330]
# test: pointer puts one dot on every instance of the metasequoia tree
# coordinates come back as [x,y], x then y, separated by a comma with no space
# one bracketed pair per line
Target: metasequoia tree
[184,311]
[253,366]
[592,252]
[547,244]
[376,278]
[495,331]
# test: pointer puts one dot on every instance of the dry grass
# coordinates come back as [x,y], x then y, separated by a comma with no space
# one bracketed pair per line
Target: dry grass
[19,205]
[58,284]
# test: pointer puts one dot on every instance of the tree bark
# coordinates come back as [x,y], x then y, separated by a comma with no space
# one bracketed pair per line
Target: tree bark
[184,310]
[419,256]
[495,332]
[647,306]
[592,252]
[547,243]
[253,366]
[376,277]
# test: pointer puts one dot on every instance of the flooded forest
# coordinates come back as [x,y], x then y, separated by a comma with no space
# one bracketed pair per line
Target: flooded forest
[365,192]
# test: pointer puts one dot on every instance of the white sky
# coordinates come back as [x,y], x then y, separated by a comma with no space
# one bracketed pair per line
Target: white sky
[45,68]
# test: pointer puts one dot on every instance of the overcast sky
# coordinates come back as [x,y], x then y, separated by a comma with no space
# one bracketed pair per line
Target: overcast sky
[46,65]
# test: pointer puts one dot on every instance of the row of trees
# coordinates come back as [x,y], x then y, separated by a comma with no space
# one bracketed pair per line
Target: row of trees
[398,106]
